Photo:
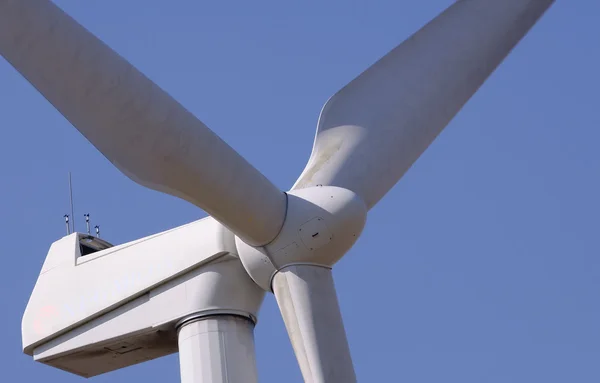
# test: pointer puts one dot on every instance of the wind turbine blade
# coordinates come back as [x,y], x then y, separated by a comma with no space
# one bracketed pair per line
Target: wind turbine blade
[308,303]
[137,126]
[375,128]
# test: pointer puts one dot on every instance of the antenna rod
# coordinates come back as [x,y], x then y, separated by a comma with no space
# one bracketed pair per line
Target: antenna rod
[97,231]
[87,222]
[71,201]
[67,223]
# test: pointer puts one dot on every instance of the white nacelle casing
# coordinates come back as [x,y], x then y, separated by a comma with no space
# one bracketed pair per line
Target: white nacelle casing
[119,306]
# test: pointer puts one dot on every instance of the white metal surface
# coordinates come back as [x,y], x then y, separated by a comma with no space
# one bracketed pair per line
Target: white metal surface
[308,302]
[144,132]
[321,224]
[144,328]
[72,289]
[217,349]
[371,131]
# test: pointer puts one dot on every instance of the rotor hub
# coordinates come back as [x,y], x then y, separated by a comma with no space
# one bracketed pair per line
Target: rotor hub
[321,225]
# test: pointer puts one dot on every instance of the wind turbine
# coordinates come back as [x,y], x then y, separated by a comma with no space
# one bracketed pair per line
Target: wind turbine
[197,289]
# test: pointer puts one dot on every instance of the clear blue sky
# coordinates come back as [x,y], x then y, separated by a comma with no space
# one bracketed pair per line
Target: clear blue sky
[481,265]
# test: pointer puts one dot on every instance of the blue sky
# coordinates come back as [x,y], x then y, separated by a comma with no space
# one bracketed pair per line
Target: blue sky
[481,265]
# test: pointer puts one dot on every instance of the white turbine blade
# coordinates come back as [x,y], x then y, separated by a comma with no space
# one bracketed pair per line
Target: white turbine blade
[137,126]
[308,302]
[375,128]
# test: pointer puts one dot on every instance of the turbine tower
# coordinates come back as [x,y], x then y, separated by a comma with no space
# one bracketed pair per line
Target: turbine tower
[197,289]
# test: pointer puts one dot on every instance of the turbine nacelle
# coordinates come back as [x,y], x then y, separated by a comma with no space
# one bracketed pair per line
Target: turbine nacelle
[97,312]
